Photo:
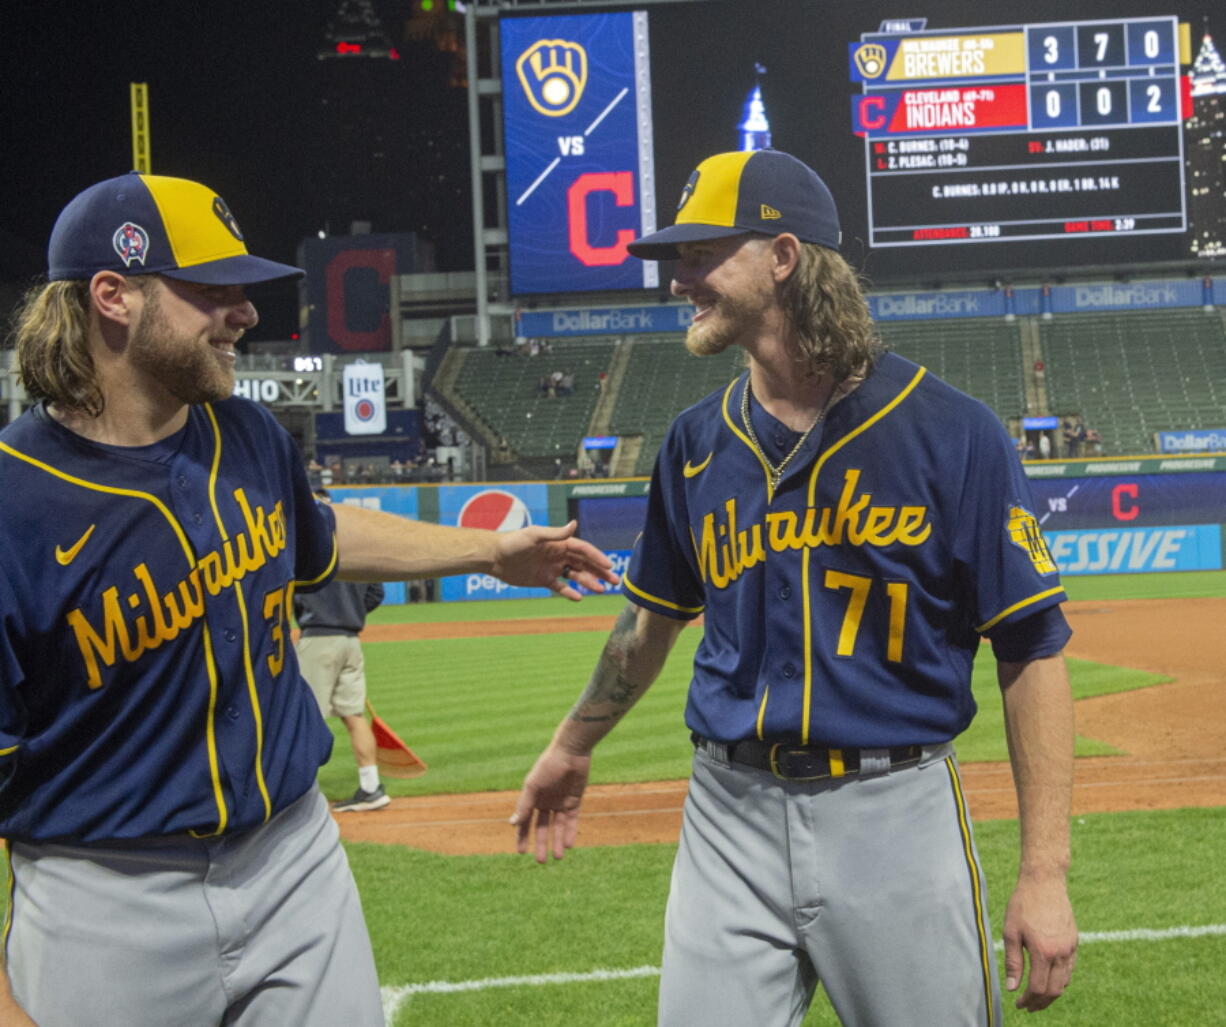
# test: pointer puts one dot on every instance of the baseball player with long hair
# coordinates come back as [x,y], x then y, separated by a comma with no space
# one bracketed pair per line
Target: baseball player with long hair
[849,527]
[172,860]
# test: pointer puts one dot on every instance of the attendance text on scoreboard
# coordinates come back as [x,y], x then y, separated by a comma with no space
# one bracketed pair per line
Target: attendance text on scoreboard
[1053,130]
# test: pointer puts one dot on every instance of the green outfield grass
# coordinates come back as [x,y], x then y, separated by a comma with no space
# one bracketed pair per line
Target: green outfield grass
[1181,585]
[449,930]
[446,696]
[475,918]
[480,709]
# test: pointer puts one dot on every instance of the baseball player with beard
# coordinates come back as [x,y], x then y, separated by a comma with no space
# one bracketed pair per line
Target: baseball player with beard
[172,860]
[849,527]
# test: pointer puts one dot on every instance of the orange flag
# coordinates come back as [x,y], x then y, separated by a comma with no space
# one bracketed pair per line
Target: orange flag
[395,759]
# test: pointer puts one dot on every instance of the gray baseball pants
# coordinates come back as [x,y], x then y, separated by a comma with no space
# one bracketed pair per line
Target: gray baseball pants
[869,884]
[262,929]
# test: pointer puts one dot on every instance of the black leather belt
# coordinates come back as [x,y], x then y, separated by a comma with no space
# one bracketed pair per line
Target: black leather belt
[790,762]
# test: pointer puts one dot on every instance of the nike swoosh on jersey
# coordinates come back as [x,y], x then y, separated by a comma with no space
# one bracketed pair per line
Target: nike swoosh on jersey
[65,556]
[689,470]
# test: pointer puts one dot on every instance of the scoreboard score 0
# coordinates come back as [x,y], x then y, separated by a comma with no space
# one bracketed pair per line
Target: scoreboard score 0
[1052,130]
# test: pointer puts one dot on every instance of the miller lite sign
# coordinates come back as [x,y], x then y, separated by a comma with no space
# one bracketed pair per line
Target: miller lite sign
[365,408]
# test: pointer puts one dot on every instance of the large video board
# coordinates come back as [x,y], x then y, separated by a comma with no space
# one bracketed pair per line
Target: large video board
[983,139]
[577,118]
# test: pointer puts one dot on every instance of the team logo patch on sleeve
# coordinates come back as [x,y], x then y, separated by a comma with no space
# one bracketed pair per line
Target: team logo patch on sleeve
[1024,533]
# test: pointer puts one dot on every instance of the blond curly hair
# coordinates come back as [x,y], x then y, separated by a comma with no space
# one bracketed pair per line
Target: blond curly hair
[824,302]
[51,336]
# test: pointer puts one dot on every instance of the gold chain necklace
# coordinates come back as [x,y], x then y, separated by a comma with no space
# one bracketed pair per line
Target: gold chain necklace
[776,470]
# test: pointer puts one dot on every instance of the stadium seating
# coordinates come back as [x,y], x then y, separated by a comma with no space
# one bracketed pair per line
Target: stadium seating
[1132,374]
[1127,375]
[662,378]
[979,355]
[505,392]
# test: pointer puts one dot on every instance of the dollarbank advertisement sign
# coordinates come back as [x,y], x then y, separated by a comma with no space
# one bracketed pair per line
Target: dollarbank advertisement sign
[577,117]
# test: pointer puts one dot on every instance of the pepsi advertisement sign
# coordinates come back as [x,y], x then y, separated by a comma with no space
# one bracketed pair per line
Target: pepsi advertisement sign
[576,97]
[500,508]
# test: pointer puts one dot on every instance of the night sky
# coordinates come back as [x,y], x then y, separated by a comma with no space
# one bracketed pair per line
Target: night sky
[234,91]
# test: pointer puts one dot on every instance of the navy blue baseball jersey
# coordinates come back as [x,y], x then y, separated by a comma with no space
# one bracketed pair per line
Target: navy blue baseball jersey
[843,608]
[148,684]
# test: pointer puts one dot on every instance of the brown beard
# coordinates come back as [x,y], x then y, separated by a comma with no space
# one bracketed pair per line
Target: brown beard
[731,323]
[187,368]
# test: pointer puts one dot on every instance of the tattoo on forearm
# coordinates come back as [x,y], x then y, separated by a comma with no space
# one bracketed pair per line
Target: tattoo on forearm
[610,694]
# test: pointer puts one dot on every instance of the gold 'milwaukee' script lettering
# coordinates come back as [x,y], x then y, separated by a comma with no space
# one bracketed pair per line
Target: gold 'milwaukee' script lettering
[152,617]
[726,549]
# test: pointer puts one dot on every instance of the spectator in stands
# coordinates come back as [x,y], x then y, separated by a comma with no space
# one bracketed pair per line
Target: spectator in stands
[1093,442]
[1079,436]
[566,384]
[1071,442]
[1044,446]
[397,469]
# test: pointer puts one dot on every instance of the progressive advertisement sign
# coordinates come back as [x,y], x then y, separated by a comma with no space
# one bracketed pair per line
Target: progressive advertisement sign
[1136,524]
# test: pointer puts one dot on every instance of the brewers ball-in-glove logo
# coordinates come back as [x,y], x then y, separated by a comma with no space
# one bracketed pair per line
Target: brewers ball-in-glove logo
[688,191]
[131,242]
[1025,533]
[870,60]
[553,73]
[226,218]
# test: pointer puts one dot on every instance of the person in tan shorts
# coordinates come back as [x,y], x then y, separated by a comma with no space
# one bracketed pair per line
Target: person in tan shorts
[330,655]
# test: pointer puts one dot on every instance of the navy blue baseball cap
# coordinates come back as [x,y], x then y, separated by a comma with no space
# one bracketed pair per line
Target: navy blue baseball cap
[140,224]
[764,191]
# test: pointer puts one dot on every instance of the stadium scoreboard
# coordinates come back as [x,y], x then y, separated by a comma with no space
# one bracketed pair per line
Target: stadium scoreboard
[1051,130]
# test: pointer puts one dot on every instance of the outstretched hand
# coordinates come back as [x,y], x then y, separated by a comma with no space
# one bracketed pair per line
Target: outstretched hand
[553,791]
[545,557]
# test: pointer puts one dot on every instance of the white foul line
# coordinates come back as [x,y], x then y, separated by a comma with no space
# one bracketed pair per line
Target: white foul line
[394,997]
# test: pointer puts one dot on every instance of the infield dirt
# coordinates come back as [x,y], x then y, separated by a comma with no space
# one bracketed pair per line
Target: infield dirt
[1173,737]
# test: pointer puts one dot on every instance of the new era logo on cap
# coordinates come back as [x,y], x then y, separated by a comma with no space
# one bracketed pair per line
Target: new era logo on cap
[154,224]
[757,191]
